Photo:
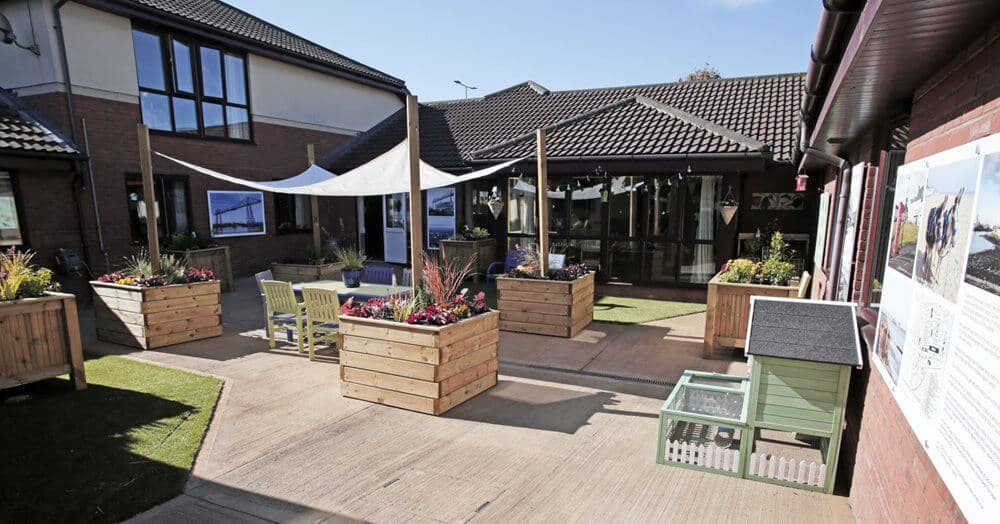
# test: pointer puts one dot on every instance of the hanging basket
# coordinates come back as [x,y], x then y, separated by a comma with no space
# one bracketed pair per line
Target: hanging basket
[496,207]
[728,212]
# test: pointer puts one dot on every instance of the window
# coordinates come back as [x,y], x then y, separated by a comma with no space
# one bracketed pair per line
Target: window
[191,89]
[294,213]
[10,225]
[171,206]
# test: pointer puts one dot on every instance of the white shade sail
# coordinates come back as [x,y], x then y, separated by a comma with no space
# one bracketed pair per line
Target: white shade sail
[386,174]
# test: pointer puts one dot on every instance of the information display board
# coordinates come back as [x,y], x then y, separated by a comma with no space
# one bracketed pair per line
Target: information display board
[938,334]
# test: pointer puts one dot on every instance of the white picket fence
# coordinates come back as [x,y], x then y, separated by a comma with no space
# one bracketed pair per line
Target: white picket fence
[779,468]
[710,456]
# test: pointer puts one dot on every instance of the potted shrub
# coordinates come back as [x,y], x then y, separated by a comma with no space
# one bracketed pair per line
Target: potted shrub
[39,327]
[143,308]
[427,352]
[352,260]
[729,292]
[201,251]
[325,265]
[470,244]
[559,304]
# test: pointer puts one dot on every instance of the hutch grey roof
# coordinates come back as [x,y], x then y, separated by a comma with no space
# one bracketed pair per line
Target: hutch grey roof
[222,17]
[24,131]
[804,330]
[735,115]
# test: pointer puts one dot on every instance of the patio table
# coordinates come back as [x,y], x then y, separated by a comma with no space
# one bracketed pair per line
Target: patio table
[363,292]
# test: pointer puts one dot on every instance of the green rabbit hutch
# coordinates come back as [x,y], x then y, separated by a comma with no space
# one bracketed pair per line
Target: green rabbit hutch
[783,424]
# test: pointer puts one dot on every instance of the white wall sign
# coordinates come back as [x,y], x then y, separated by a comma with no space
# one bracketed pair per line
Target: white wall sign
[936,340]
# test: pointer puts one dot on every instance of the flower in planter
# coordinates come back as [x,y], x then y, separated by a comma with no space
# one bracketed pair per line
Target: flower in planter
[20,279]
[138,271]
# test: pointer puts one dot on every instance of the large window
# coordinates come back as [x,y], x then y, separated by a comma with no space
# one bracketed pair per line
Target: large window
[172,209]
[10,225]
[190,88]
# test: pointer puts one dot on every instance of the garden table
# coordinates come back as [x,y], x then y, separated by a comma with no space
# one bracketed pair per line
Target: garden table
[363,292]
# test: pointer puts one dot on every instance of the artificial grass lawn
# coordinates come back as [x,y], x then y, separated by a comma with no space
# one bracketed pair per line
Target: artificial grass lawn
[123,445]
[619,310]
[622,310]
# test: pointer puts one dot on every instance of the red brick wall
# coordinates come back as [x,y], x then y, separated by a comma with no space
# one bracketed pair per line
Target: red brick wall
[277,152]
[893,479]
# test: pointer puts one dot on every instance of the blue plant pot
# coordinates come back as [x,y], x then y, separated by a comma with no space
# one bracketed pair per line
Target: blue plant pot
[352,277]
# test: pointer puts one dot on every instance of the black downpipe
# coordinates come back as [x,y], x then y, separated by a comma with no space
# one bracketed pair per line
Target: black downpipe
[79,185]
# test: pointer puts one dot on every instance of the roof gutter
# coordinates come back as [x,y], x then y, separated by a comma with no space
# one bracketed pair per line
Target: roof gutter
[836,24]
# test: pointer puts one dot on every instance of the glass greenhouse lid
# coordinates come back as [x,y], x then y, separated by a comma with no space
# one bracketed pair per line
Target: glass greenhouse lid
[710,396]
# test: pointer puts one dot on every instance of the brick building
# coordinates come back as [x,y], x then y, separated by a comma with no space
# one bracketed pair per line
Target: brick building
[217,87]
[637,174]
[891,83]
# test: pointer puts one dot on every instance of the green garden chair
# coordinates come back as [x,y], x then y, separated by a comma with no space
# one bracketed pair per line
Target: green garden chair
[322,318]
[283,310]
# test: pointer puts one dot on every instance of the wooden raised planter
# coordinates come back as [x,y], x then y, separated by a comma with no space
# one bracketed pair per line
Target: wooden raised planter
[546,307]
[458,251]
[728,310]
[306,272]
[214,258]
[429,369]
[154,317]
[40,339]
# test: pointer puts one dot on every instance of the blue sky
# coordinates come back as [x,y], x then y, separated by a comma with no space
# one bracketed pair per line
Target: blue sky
[560,44]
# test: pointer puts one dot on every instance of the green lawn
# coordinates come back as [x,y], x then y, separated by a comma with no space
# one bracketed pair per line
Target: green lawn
[619,310]
[622,310]
[125,444]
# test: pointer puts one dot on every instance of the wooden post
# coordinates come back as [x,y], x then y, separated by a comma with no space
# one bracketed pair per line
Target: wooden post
[314,205]
[543,203]
[149,196]
[416,202]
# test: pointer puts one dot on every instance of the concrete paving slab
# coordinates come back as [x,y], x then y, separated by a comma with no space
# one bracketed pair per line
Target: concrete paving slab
[542,445]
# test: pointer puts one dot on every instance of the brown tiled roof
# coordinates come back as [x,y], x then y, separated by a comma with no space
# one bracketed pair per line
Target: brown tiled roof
[223,17]
[711,116]
[23,131]
[633,126]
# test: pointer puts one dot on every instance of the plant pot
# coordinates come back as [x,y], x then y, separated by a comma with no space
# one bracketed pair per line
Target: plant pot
[555,308]
[41,339]
[728,212]
[215,258]
[153,317]
[306,272]
[352,277]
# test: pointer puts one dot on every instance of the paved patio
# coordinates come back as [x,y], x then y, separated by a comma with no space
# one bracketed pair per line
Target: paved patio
[558,439]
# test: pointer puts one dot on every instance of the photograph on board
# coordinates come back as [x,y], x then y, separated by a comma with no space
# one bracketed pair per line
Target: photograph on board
[945,225]
[983,267]
[236,213]
[893,316]
[906,210]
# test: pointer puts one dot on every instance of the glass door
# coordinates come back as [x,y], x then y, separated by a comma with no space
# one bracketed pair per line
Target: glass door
[394,227]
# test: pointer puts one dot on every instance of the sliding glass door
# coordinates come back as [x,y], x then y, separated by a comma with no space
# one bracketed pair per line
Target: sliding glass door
[638,229]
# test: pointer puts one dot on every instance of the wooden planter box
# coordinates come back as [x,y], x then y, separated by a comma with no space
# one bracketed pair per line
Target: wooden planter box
[728,311]
[214,258]
[154,317]
[306,272]
[429,369]
[40,339]
[458,251]
[546,307]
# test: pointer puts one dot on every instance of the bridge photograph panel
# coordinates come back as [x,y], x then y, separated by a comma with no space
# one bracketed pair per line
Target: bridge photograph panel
[236,213]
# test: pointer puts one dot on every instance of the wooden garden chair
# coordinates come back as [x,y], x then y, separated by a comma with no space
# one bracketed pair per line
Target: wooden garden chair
[322,318]
[283,310]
